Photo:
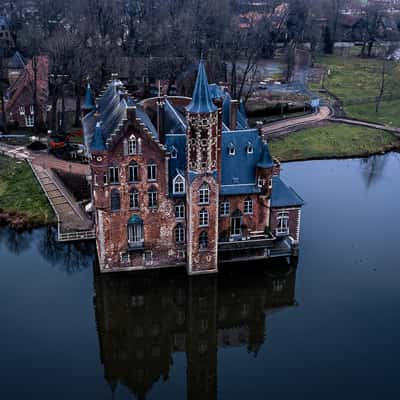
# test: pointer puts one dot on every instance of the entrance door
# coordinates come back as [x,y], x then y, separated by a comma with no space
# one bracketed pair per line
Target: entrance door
[236,223]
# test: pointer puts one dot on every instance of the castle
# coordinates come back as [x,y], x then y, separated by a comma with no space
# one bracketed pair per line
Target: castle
[180,181]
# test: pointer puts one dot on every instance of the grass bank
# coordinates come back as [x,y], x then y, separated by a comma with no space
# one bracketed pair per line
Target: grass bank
[22,202]
[333,141]
[357,80]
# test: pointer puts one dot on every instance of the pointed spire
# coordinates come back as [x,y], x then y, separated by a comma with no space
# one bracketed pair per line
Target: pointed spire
[266,159]
[88,103]
[98,139]
[202,99]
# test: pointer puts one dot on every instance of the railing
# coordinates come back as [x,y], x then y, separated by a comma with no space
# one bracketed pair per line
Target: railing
[72,236]
[136,245]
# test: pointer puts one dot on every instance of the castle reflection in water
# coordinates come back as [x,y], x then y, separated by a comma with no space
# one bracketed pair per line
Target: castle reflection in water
[143,319]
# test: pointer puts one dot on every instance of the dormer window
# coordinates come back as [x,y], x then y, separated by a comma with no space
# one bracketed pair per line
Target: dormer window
[250,148]
[174,153]
[261,182]
[231,149]
[179,185]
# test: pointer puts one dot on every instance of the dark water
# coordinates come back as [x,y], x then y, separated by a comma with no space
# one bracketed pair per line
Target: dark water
[328,329]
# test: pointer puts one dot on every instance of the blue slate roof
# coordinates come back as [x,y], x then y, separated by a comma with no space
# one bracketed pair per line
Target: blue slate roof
[98,139]
[88,103]
[201,99]
[147,121]
[266,159]
[174,121]
[177,142]
[283,195]
[16,61]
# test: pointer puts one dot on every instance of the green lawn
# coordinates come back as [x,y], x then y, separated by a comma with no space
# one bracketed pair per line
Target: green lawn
[355,79]
[389,112]
[21,195]
[333,141]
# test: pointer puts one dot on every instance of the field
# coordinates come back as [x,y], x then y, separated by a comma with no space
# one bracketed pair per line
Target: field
[20,194]
[356,81]
[333,141]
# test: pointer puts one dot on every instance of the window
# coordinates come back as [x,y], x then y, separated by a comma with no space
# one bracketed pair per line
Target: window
[248,206]
[132,145]
[32,109]
[115,200]
[260,182]
[134,199]
[135,232]
[231,149]
[180,211]
[283,224]
[133,172]
[29,120]
[139,146]
[152,197]
[250,148]
[203,217]
[113,175]
[179,185]
[148,257]
[224,208]
[179,233]
[105,178]
[22,110]
[151,171]
[203,240]
[174,152]
[204,193]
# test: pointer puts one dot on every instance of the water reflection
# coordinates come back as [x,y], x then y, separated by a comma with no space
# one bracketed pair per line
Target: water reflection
[69,257]
[372,169]
[143,319]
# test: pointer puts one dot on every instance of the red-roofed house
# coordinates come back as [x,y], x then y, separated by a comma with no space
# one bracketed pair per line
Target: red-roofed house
[20,106]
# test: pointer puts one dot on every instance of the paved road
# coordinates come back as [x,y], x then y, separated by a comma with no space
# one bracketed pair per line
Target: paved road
[276,129]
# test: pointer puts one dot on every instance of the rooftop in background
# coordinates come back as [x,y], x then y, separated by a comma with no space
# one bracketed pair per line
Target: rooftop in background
[16,61]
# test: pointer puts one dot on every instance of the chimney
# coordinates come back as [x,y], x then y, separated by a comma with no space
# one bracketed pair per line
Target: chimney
[233,114]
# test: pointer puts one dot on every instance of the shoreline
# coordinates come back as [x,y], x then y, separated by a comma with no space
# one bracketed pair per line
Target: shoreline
[21,222]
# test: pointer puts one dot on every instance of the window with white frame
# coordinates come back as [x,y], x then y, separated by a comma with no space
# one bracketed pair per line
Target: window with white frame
[250,148]
[133,170]
[32,109]
[260,182]
[152,194]
[179,233]
[29,120]
[231,149]
[132,145]
[151,171]
[203,240]
[282,227]
[203,217]
[204,193]
[113,175]
[179,184]
[224,208]
[248,206]
[174,152]
[180,211]
[134,199]
[22,110]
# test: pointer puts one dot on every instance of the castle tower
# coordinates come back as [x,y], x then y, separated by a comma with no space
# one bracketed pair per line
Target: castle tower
[203,144]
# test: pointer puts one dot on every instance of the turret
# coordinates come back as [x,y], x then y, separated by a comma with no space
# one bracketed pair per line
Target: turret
[88,103]
[202,174]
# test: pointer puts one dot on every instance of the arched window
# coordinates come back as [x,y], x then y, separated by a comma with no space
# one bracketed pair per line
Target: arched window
[178,185]
[203,240]
[152,193]
[283,224]
[250,148]
[204,193]
[231,149]
[179,233]
[132,145]
[135,232]
[203,217]
[151,171]
[248,206]
[133,199]
[115,200]
[133,171]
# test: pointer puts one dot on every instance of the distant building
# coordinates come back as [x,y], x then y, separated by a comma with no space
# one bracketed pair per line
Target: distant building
[6,41]
[180,181]
[15,67]
[20,105]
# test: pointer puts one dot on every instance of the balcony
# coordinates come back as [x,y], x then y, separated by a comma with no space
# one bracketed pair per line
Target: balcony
[253,241]
[139,245]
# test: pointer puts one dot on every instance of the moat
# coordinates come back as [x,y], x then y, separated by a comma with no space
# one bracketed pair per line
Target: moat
[326,329]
